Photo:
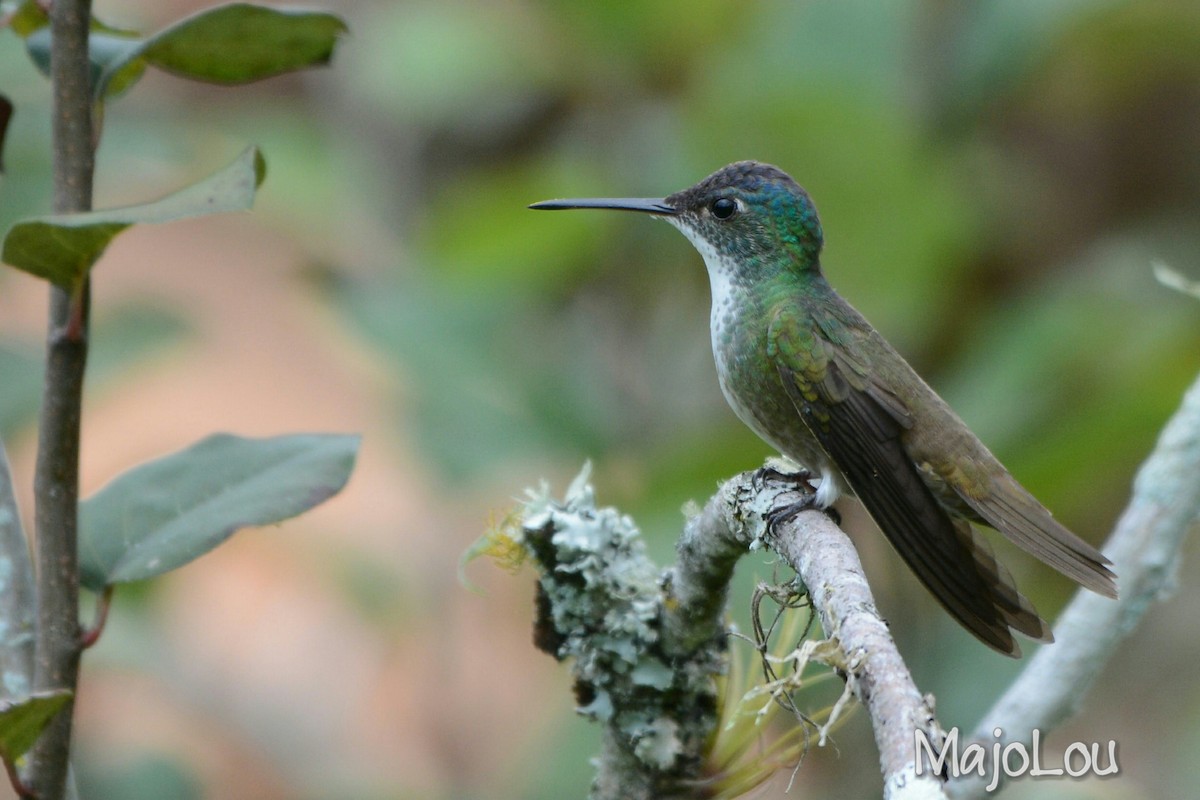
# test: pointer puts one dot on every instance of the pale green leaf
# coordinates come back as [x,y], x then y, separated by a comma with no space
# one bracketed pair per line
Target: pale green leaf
[62,248]
[167,512]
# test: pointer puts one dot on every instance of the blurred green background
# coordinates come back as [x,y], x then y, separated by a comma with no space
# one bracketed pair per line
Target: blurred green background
[994,179]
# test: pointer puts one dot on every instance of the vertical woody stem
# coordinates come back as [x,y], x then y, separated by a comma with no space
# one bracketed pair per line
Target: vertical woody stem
[56,481]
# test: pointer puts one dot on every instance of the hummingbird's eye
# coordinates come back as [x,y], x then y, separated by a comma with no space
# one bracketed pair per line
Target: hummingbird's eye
[723,208]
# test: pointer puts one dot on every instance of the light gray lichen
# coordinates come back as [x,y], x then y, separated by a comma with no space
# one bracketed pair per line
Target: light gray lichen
[601,608]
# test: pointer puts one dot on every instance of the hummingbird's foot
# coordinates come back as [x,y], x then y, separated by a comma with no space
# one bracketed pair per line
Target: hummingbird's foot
[834,515]
[774,471]
[797,482]
[782,514]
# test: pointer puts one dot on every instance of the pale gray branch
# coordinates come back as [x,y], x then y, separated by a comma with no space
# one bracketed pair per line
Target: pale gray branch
[736,520]
[1145,549]
[827,562]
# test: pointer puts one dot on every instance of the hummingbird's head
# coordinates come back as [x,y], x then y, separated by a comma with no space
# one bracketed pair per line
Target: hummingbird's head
[748,210]
[741,217]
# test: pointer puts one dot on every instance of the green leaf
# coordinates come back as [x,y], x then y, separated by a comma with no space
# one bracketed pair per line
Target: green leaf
[22,722]
[28,18]
[232,44]
[105,44]
[165,513]
[62,248]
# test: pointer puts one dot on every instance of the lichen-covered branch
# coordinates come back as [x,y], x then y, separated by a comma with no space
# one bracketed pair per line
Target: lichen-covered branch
[646,646]
[1145,550]
[600,604]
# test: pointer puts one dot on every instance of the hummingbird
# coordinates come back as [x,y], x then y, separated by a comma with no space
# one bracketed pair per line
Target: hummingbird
[809,375]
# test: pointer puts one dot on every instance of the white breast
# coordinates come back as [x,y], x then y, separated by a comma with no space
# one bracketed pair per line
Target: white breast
[721,272]
[723,317]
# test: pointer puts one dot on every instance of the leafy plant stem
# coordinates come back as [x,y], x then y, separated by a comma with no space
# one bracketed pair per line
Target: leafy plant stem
[56,481]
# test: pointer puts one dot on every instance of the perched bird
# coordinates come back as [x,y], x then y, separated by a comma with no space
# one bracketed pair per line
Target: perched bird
[811,377]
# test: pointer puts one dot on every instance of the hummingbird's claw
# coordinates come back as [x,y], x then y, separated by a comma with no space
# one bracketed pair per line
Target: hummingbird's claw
[758,480]
[783,514]
[772,473]
[794,483]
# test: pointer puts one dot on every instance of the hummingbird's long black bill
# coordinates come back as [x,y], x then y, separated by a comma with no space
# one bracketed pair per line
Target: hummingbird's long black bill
[646,205]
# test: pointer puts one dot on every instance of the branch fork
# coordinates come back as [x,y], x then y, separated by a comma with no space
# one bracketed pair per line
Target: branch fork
[646,644]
